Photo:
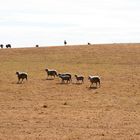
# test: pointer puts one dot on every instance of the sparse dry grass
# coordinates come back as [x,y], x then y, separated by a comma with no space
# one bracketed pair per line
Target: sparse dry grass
[47,110]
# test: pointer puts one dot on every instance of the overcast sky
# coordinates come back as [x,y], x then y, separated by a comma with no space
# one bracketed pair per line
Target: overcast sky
[25,23]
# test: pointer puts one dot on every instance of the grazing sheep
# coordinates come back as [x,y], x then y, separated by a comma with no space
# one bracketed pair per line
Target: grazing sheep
[21,75]
[1,46]
[65,77]
[51,73]
[8,46]
[79,78]
[94,79]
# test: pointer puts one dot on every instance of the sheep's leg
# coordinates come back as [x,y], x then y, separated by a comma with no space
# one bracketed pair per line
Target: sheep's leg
[99,84]
[22,80]
[53,76]
[47,76]
[96,84]
[91,85]
[18,81]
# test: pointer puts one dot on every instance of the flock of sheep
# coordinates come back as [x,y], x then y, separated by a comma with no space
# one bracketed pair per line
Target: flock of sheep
[7,46]
[65,77]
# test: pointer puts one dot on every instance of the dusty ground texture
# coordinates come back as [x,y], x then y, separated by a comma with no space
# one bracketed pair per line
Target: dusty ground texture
[41,109]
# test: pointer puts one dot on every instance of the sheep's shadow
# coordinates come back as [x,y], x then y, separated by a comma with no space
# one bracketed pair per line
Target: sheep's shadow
[92,88]
[49,79]
[62,83]
[14,83]
[17,83]
[77,83]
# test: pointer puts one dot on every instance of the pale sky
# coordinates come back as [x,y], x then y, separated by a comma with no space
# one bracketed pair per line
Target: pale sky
[25,23]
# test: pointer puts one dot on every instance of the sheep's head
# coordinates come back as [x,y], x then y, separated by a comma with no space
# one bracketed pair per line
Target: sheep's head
[17,73]
[56,74]
[46,69]
[89,77]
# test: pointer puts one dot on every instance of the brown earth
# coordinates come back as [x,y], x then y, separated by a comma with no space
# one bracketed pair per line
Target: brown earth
[41,109]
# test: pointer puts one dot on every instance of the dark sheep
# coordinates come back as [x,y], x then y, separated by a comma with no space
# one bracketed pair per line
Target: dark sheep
[66,74]
[94,79]
[8,46]
[65,42]
[21,75]
[51,73]
[1,46]
[79,78]
[64,78]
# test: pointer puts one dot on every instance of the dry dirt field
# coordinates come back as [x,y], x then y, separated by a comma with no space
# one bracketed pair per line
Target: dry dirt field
[41,109]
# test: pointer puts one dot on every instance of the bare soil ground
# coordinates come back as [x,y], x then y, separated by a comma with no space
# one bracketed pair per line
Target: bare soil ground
[41,109]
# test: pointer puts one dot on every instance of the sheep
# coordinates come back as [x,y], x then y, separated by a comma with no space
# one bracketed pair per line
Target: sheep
[1,46]
[94,79]
[51,73]
[8,46]
[65,77]
[65,42]
[66,74]
[79,78]
[21,75]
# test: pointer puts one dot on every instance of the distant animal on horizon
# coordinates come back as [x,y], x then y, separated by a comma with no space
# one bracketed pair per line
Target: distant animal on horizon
[1,46]
[51,73]
[65,42]
[36,46]
[22,76]
[8,46]
[79,78]
[89,43]
[94,79]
